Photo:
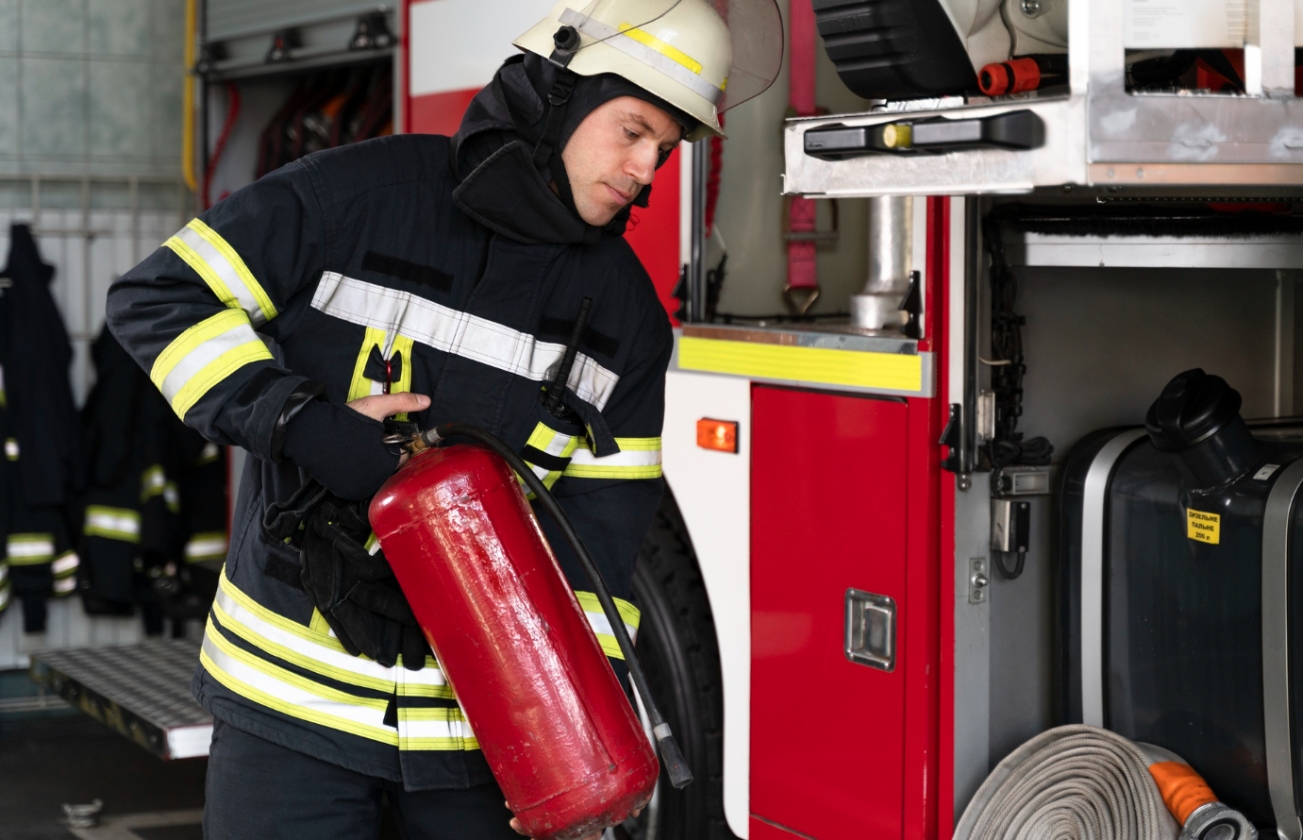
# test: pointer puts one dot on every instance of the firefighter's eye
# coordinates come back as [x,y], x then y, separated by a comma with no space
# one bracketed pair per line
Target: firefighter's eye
[631,134]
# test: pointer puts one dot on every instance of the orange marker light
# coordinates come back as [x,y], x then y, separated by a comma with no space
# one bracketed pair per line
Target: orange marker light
[719,435]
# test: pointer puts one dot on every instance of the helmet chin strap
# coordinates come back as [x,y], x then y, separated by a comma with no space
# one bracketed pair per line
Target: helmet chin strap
[566,41]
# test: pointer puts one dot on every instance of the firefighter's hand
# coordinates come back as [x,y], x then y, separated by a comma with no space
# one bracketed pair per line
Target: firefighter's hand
[380,406]
[515,826]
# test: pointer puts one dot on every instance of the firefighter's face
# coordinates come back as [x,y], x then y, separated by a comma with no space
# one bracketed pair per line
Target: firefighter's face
[613,154]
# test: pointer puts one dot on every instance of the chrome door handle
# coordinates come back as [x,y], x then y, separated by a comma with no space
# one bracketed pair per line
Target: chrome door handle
[871,629]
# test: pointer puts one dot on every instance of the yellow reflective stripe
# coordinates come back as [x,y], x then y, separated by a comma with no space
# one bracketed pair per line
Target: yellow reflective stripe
[232,668]
[206,545]
[361,386]
[213,259]
[295,657]
[303,683]
[152,482]
[639,444]
[318,623]
[674,54]
[823,365]
[224,586]
[204,355]
[549,440]
[32,549]
[112,523]
[434,729]
[65,564]
[209,454]
[328,647]
[4,595]
[602,626]
[638,458]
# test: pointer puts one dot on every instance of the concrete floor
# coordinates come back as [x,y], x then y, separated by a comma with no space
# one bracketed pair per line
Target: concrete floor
[52,757]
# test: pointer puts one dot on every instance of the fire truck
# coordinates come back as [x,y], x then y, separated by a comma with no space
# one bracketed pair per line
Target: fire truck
[972,234]
[854,591]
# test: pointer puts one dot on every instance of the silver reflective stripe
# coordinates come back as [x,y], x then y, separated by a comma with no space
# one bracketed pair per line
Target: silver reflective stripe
[201,548]
[602,626]
[203,355]
[112,522]
[24,547]
[458,333]
[224,271]
[1276,530]
[623,458]
[65,564]
[641,52]
[11,449]
[1093,508]
[64,585]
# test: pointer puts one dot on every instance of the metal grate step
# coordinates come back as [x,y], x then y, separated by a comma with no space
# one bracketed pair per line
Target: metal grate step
[142,691]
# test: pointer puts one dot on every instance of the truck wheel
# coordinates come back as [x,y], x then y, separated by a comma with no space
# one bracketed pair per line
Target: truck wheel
[676,645]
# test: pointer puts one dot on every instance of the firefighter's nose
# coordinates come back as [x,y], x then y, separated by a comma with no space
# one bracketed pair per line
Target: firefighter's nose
[642,164]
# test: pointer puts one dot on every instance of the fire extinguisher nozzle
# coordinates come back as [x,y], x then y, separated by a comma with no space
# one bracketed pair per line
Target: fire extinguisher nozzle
[676,766]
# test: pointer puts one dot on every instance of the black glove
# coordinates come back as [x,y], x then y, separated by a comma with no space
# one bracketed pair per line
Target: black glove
[341,448]
[356,591]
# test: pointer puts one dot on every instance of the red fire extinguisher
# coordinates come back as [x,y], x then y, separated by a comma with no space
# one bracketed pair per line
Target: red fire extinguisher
[554,723]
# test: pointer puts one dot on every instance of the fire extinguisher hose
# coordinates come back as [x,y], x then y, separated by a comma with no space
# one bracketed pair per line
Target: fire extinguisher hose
[676,766]
[1080,782]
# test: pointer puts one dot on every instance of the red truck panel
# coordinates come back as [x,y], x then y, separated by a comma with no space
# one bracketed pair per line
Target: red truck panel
[828,485]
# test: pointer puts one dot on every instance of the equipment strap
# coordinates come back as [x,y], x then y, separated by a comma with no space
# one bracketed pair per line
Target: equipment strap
[558,99]
[802,287]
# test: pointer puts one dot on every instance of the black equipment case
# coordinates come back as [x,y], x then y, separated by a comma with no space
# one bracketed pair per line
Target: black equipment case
[1177,588]
[895,49]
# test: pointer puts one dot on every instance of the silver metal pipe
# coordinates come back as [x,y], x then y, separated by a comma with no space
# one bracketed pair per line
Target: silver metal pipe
[891,238]
[697,269]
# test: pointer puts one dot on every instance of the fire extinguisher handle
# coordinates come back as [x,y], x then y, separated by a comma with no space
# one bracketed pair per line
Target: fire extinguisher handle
[676,766]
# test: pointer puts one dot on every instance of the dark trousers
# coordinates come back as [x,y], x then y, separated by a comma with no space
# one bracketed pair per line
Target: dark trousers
[257,790]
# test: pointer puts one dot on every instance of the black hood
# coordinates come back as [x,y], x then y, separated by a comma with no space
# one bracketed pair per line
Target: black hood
[493,153]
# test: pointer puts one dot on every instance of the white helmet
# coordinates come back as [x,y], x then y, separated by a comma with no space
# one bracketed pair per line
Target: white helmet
[701,56]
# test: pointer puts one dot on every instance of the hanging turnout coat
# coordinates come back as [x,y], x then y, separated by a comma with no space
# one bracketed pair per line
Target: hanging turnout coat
[349,268]
[155,503]
[41,436]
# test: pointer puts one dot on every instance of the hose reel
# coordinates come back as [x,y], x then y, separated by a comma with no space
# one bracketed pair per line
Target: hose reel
[1084,783]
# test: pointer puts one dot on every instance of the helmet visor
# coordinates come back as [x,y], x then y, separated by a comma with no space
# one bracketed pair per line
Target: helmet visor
[755,31]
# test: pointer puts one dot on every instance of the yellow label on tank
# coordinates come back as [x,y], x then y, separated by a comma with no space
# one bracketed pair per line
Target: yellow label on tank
[1203,527]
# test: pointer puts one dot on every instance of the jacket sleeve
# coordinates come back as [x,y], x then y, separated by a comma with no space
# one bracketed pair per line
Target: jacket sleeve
[189,312]
[612,500]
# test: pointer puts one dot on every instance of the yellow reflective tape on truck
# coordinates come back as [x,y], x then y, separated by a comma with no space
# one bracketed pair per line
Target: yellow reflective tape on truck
[858,369]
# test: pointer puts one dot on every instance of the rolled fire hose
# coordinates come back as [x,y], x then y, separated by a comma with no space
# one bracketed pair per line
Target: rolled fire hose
[1084,783]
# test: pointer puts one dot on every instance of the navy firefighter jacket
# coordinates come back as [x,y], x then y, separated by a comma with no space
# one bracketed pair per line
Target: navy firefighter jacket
[350,267]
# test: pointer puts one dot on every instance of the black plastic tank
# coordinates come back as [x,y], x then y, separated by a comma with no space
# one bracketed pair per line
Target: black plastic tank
[895,49]
[1177,588]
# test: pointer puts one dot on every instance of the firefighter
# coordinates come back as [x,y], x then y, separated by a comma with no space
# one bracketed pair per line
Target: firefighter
[425,279]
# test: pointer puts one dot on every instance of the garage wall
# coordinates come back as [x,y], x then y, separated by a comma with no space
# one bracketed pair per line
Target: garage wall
[90,155]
